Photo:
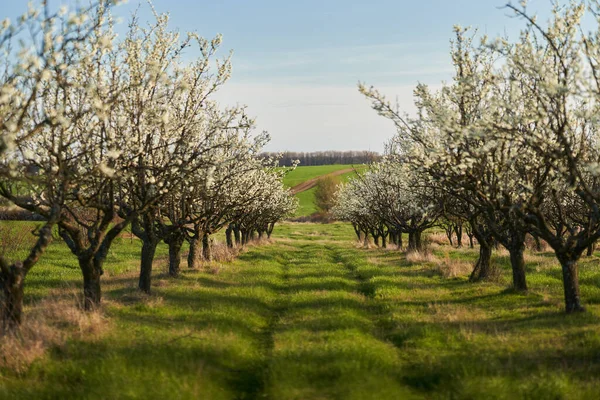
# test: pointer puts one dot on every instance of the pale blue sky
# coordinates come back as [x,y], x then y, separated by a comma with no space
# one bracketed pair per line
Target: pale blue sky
[296,64]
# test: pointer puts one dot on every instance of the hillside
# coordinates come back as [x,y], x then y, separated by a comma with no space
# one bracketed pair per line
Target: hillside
[303,180]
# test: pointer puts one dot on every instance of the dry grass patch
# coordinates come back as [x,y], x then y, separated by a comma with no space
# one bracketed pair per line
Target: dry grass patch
[438,238]
[424,256]
[48,325]
[449,268]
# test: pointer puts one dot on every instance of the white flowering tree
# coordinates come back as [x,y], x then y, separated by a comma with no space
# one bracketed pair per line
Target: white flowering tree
[517,139]
[557,67]
[390,197]
[448,141]
[264,201]
[173,132]
[45,99]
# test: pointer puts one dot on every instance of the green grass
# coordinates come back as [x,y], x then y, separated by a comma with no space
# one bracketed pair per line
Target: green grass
[306,203]
[306,199]
[302,174]
[314,317]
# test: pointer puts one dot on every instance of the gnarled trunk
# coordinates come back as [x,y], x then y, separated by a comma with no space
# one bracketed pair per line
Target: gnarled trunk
[458,230]
[194,253]
[229,237]
[517,261]
[13,280]
[91,269]
[483,268]
[414,241]
[570,283]
[148,252]
[206,247]
[175,245]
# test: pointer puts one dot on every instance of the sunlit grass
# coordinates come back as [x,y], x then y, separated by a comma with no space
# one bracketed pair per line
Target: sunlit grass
[315,316]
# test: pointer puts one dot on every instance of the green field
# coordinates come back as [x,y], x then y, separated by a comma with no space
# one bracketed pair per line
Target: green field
[306,203]
[312,316]
[302,174]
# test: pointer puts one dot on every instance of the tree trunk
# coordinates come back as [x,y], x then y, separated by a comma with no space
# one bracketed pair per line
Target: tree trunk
[449,234]
[236,235]
[206,247]
[483,268]
[194,253]
[590,250]
[458,229]
[175,245]
[570,283]
[471,243]
[414,241]
[366,239]
[148,252]
[270,228]
[400,244]
[229,237]
[12,307]
[517,263]
[384,241]
[375,239]
[92,271]
[356,231]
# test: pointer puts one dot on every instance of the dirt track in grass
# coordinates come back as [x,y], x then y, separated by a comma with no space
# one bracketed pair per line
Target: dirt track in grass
[311,183]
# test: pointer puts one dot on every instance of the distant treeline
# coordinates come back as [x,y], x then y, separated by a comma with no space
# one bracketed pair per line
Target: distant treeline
[327,157]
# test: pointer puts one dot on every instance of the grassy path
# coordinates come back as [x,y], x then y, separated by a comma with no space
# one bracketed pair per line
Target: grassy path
[313,317]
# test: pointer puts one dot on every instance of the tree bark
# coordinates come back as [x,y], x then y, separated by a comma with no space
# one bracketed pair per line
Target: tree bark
[236,235]
[458,229]
[270,228]
[229,237]
[175,245]
[206,247]
[517,263]
[449,230]
[12,308]
[414,241]
[356,231]
[571,283]
[483,269]
[92,271]
[148,252]
[194,253]
[590,250]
